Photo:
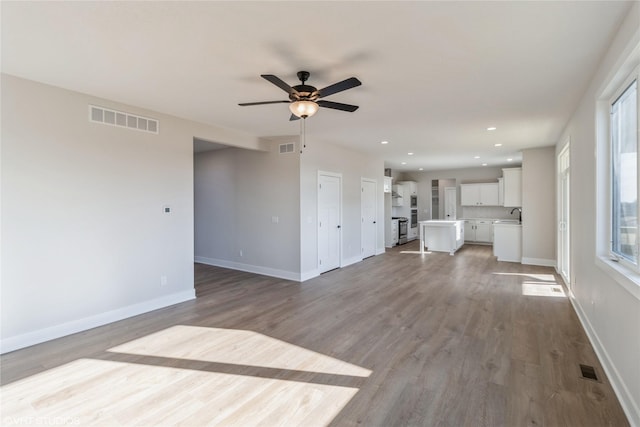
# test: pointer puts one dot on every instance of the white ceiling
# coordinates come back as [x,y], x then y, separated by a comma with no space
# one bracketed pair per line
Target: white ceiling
[435,74]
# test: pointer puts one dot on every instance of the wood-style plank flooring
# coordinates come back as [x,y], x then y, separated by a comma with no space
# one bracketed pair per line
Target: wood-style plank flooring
[399,339]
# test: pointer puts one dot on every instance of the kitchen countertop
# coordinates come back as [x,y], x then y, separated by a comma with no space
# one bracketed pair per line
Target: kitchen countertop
[508,223]
[490,219]
[440,222]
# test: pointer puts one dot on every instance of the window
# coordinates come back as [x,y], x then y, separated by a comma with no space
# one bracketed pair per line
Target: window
[617,173]
[624,176]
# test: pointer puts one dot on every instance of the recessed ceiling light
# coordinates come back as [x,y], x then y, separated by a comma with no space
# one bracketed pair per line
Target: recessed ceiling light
[421,169]
[497,145]
[476,157]
[409,154]
[491,128]
[484,164]
[404,163]
[384,142]
[509,160]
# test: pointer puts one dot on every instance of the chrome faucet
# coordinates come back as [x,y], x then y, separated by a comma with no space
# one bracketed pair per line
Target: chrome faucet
[519,214]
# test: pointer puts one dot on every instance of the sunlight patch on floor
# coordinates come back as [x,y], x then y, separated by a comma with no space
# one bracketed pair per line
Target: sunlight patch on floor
[543,289]
[534,276]
[239,347]
[89,392]
[415,252]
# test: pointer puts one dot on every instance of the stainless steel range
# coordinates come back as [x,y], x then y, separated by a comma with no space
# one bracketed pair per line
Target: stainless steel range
[402,229]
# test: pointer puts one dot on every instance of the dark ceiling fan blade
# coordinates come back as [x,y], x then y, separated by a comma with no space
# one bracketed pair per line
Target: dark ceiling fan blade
[244,104]
[338,106]
[293,117]
[339,87]
[278,82]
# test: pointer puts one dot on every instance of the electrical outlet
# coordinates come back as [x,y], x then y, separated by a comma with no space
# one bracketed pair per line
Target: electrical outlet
[163,280]
[275,219]
[240,252]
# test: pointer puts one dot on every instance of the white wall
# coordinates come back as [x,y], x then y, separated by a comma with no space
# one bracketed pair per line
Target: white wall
[237,195]
[539,206]
[608,311]
[84,237]
[353,166]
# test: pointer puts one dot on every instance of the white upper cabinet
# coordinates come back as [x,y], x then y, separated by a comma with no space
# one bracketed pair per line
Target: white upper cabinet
[410,188]
[512,187]
[484,194]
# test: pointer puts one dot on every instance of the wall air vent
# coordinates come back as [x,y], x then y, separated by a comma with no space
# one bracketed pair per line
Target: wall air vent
[287,148]
[122,119]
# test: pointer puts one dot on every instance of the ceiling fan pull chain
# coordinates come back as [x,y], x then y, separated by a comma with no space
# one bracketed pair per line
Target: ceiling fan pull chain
[303,134]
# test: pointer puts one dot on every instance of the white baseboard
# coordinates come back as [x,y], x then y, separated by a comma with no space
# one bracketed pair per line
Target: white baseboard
[539,261]
[629,406]
[257,269]
[304,276]
[46,334]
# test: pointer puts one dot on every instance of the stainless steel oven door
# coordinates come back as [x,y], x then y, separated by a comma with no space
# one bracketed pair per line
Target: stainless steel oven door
[414,202]
[402,231]
[414,218]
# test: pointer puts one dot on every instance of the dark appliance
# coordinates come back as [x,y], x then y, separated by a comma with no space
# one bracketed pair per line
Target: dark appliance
[402,229]
[414,218]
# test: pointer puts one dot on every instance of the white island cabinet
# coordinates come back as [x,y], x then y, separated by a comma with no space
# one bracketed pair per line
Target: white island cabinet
[441,236]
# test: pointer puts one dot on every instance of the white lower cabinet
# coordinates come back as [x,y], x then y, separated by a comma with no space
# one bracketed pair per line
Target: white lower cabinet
[412,233]
[394,232]
[478,230]
[508,242]
[484,231]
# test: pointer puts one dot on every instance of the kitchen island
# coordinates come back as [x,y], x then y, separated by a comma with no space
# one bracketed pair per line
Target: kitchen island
[441,236]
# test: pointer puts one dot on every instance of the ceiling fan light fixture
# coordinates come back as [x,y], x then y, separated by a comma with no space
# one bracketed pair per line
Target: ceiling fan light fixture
[303,109]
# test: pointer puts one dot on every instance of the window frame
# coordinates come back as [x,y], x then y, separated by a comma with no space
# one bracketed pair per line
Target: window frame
[626,84]
[625,274]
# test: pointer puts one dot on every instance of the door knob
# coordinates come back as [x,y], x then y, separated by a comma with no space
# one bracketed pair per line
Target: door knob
[338,226]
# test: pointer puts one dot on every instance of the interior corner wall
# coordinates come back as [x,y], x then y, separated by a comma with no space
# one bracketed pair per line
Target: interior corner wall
[353,166]
[85,239]
[247,210]
[609,313]
[539,206]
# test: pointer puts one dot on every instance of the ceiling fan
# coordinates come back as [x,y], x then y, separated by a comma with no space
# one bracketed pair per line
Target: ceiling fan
[304,100]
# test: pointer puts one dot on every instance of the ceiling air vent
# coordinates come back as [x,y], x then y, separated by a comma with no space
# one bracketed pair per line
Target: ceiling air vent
[122,119]
[287,148]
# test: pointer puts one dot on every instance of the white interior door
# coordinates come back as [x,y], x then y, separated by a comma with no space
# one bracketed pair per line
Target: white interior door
[564,258]
[450,203]
[329,221]
[369,220]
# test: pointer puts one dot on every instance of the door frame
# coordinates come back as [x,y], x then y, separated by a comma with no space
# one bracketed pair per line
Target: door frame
[563,203]
[375,207]
[334,175]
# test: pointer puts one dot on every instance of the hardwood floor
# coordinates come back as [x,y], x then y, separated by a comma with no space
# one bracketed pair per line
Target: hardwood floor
[398,339]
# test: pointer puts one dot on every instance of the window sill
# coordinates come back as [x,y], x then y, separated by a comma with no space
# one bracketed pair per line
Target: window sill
[628,279]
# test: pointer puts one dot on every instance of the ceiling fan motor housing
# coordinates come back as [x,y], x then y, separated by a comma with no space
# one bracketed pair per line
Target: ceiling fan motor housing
[304,93]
